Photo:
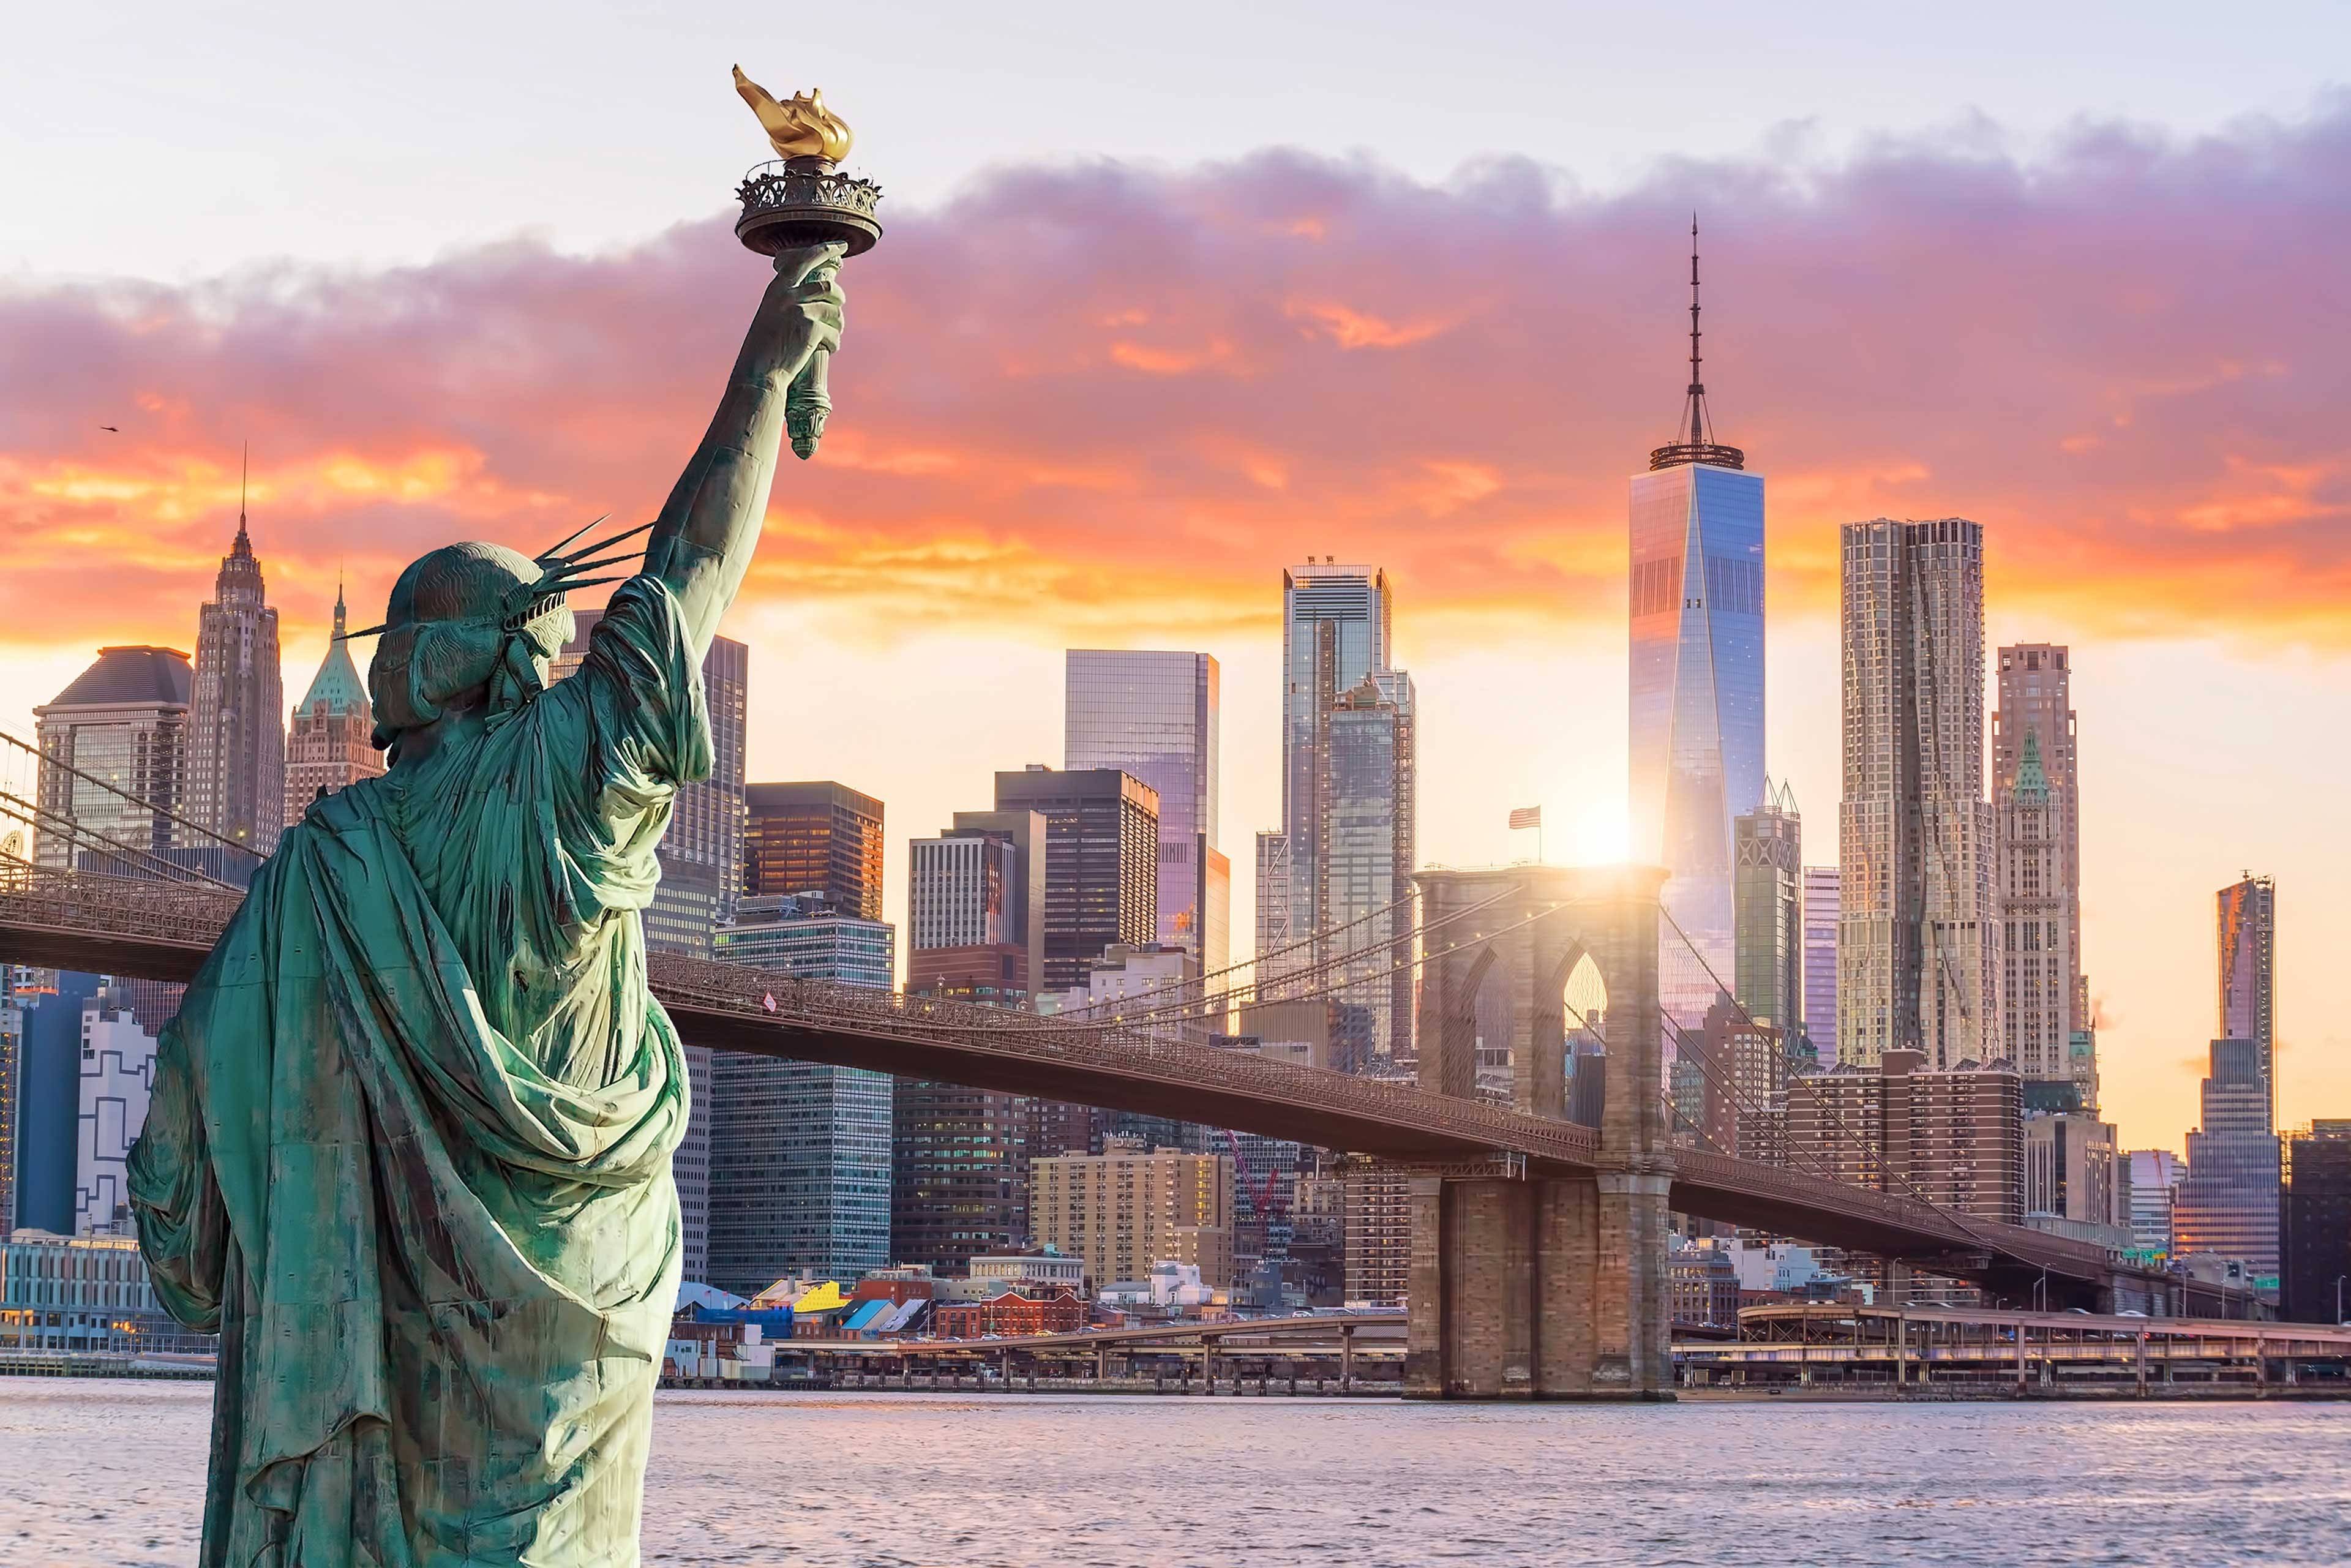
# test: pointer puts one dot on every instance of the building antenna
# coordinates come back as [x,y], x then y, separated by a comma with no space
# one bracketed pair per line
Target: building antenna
[1698,432]
[244,473]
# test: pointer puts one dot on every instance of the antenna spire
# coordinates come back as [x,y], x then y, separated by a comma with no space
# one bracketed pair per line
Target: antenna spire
[1694,436]
[244,473]
[1697,385]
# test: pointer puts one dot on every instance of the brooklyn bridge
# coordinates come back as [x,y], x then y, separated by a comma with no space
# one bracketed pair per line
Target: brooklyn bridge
[1538,1250]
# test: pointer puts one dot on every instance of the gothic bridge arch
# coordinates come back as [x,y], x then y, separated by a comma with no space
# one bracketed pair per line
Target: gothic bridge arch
[1554,1286]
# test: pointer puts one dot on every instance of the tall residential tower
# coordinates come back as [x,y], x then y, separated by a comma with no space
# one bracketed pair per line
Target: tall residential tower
[2247,933]
[1917,940]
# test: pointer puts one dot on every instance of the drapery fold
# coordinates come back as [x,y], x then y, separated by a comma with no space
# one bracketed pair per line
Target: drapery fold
[408,1149]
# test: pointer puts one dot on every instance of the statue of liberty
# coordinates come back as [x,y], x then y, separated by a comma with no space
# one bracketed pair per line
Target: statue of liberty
[409,1148]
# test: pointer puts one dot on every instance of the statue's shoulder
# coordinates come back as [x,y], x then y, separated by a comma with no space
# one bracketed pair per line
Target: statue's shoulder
[358,805]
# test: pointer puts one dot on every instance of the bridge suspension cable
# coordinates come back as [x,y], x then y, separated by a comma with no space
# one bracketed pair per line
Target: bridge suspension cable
[149,865]
[1341,985]
[1868,1145]
[67,827]
[1259,961]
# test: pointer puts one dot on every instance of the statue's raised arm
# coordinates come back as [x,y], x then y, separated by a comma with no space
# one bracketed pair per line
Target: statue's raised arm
[702,542]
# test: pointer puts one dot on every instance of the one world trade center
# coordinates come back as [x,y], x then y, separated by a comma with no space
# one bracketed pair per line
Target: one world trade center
[1695,741]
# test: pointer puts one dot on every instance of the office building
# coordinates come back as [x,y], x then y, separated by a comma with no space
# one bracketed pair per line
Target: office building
[973,922]
[85,1294]
[1128,1207]
[1769,905]
[2315,1225]
[959,1156]
[2155,1175]
[1695,712]
[1347,847]
[1820,908]
[1335,630]
[123,725]
[2228,1202]
[814,836]
[700,854]
[960,891]
[2076,1180]
[237,735]
[799,1152]
[1156,716]
[959,1174]
[2248,942]
[1917,939]
[1101,862]
[329,745]
[1364,867]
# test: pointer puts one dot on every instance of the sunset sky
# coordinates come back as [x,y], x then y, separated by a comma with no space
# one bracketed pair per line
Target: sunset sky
[1165,306]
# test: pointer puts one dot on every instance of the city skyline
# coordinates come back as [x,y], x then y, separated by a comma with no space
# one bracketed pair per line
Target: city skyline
[1519,621]
[1604,722]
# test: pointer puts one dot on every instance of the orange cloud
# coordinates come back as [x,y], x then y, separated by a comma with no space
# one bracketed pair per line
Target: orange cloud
[1109,396]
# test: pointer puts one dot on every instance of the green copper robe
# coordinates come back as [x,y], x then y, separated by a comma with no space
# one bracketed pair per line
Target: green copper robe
[408,1149]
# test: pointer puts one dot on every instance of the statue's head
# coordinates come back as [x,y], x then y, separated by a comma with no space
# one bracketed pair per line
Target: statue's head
[467,616]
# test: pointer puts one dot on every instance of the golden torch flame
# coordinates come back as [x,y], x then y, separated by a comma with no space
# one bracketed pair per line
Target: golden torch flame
[799,127]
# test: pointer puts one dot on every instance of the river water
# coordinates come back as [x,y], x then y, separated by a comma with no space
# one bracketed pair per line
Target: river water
[112,1473]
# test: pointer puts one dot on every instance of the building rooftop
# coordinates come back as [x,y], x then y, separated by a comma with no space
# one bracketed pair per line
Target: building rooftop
[131,674]
[337,682]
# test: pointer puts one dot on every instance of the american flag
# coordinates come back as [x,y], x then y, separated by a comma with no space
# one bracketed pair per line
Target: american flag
[1526,817]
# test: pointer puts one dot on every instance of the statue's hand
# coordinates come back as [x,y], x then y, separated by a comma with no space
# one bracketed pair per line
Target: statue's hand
[805,303]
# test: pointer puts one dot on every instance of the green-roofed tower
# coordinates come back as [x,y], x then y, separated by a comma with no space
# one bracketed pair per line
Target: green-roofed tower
[327,746]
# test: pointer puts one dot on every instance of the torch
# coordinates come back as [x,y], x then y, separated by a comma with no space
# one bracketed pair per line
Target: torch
[802,198]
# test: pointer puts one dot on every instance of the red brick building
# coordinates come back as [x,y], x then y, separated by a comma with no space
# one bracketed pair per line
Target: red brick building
[1008,1314]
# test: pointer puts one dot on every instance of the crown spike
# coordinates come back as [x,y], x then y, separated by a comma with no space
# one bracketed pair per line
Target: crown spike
[557,549]
[607,542]
[562,570]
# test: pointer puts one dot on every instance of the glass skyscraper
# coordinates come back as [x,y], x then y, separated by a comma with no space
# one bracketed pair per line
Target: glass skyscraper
[1820,902]
[1154,715]
[2227,1203]
[1695,741]
[799,1152]
[124,720]
[1770,979]
[1346,848]
[1335,630]
[1366,865]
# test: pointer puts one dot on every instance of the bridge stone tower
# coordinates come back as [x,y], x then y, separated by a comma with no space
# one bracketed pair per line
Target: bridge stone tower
[1535,1283]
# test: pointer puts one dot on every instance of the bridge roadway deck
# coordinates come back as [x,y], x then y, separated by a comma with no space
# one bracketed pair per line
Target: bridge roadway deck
[163,931]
